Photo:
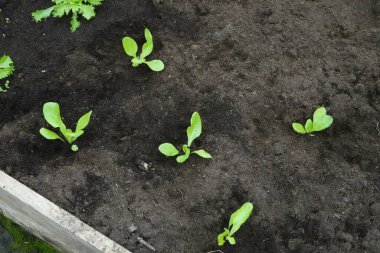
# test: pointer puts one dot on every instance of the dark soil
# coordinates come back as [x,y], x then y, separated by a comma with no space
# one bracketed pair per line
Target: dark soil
[251,68]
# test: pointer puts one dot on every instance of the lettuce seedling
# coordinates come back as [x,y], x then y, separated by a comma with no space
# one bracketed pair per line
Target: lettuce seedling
[131,48]
[6,69]
[237,219]
[52,115]
[320,122]
[63,7]
[193,132]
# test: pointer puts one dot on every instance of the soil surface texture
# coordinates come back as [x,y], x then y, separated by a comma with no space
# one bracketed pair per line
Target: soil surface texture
[250,68]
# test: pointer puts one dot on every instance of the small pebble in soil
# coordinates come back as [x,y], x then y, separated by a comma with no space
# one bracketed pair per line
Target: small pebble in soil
[143,165]
[132,228]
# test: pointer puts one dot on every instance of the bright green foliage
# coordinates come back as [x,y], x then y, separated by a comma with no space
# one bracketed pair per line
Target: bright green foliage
[6,66]
[131,48]
[193,132]
[52,115]
[6,69]
[64,7]
[168,149]
[237,219]
[320,122]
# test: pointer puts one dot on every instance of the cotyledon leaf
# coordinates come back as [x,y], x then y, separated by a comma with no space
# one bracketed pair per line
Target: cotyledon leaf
[202,153]
[155,65]
[168,149]
[321,120]
[130,46]
[298,128]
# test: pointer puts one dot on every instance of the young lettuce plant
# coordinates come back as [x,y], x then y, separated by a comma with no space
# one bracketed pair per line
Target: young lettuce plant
[52,115]
[320,122]
[131,48]
[63,7]
[193,132]
[6,69]
[237,219]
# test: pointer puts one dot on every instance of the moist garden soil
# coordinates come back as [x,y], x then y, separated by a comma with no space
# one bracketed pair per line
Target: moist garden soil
[250,68]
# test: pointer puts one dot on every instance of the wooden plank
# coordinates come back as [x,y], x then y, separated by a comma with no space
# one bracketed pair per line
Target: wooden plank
[49,222]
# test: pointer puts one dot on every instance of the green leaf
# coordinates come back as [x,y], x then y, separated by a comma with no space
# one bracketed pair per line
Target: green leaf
[326,122]
[94,2]
[83,121]
[319,113]
[222,236]
[195,128]
[168,149]
[52,114]
[74,148]
[75,24]
[73,135]
[147,48]
[5,62]
[6,66]
[202,153]
[130,46]
[78,133]
[231,240]
[148,36]
[50,135]
[69,135]
[61,9]
[298,128]
[65,7]
[183,158]
[321,120]
[155,65]
[4,73]
[87,11]
[42,14]
[239,217]
[62,127]
[137,61]
[309,126]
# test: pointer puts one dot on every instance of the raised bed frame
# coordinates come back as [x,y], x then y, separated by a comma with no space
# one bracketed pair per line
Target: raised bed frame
[49,222]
